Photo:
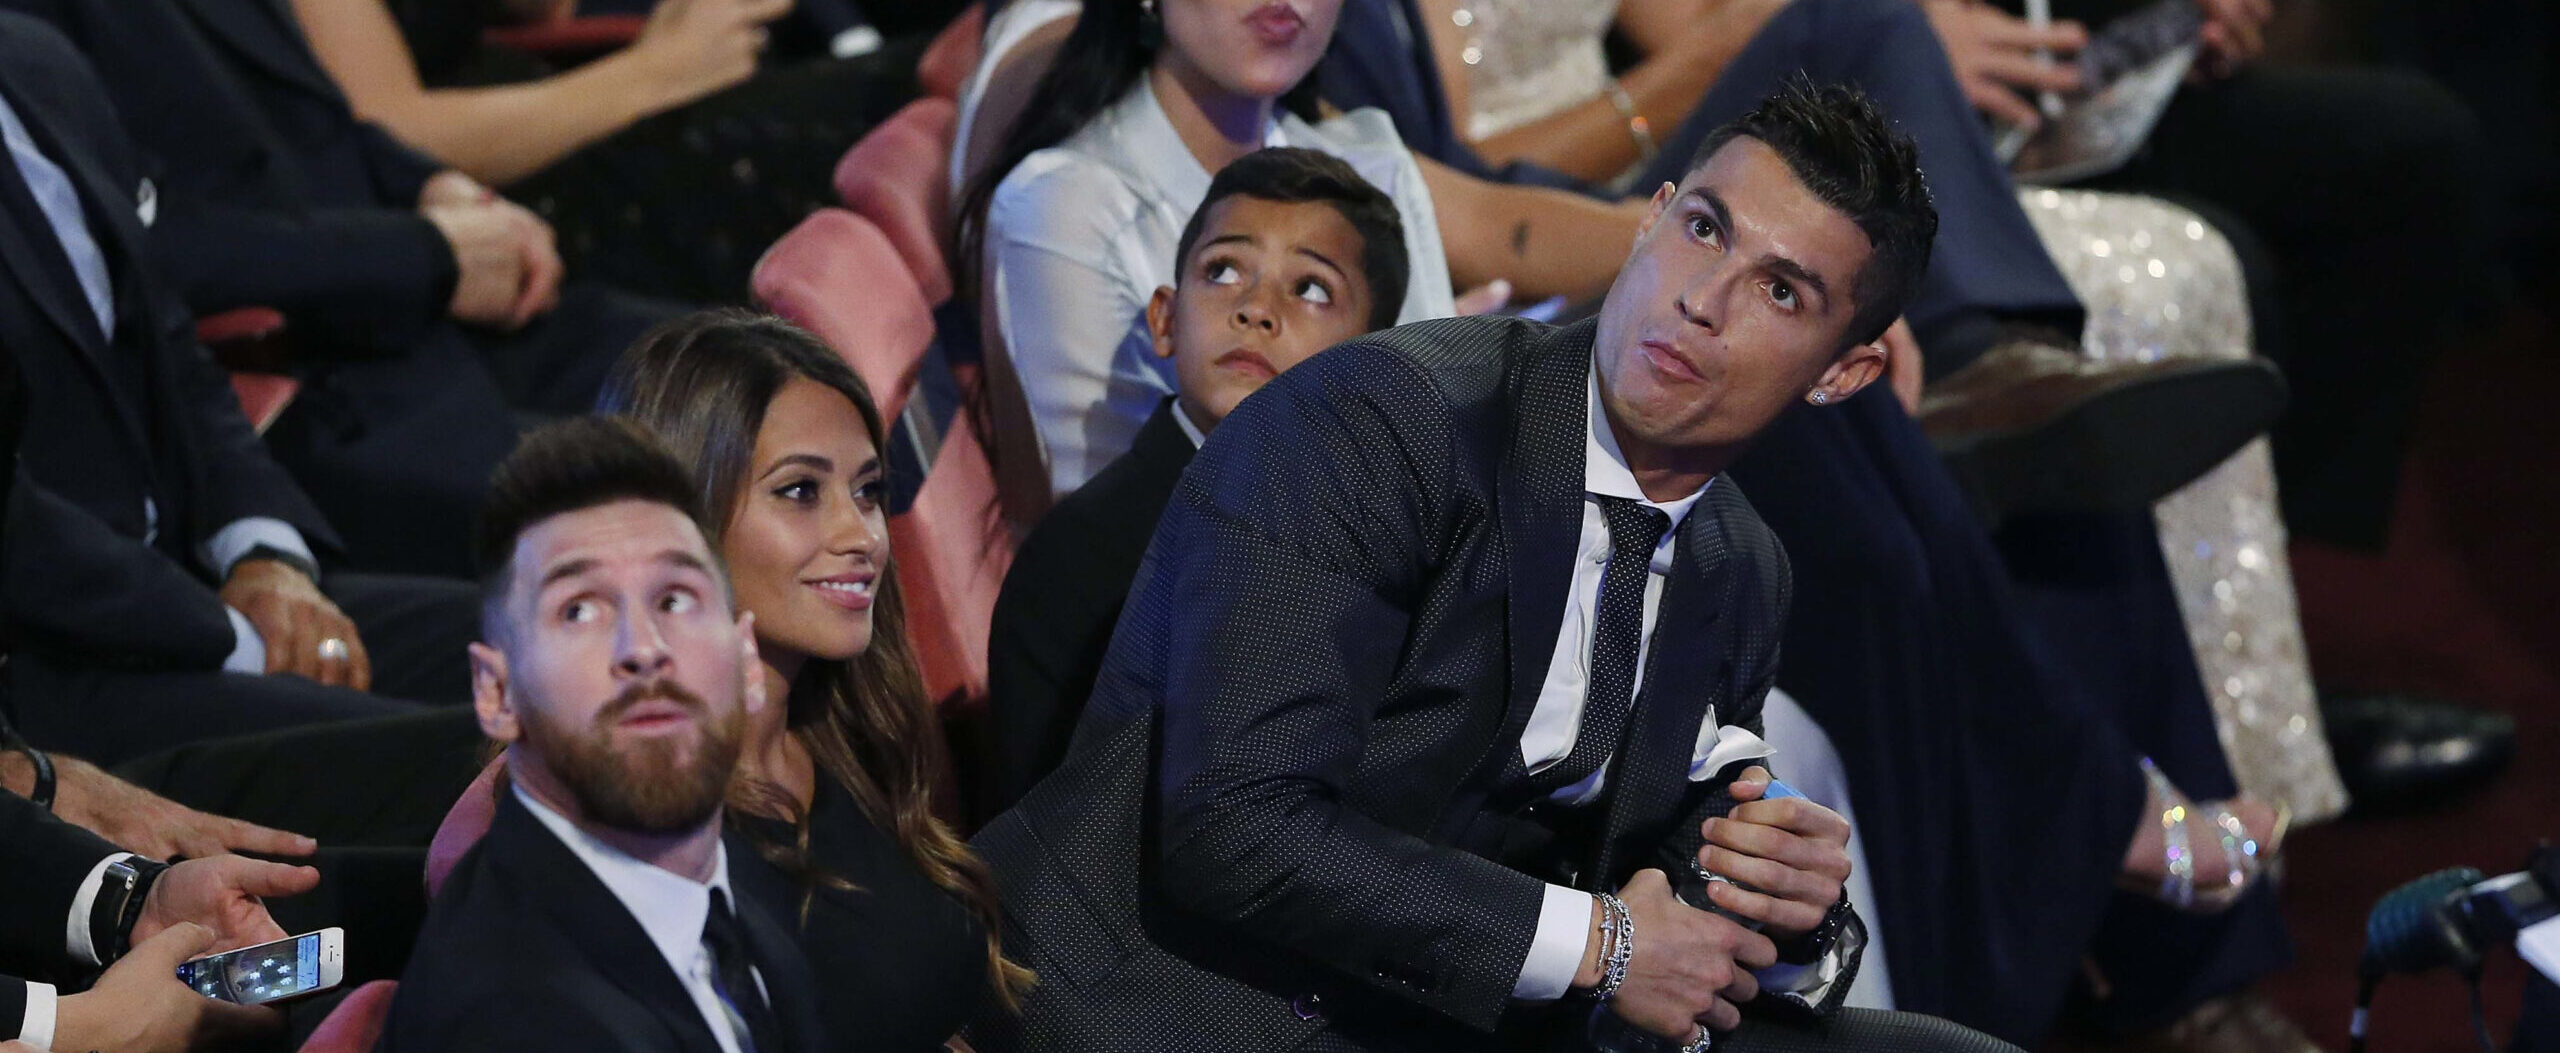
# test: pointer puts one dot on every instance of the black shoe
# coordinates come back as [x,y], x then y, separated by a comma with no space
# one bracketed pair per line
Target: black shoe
[2400,751]
[2034,427]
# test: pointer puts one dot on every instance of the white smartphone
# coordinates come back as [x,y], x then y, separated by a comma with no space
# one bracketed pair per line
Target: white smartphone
[286,969]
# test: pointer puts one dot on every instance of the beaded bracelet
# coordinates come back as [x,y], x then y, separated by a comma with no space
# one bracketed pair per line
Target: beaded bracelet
[1617,946]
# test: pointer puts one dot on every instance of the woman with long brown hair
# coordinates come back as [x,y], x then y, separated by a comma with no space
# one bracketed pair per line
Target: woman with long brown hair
[836,790]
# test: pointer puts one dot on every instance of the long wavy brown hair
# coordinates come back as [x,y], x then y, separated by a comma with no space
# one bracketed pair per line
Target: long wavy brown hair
[703,383]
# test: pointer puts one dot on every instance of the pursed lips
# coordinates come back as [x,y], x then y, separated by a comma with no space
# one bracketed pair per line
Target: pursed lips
[1671,361]
[1277,24]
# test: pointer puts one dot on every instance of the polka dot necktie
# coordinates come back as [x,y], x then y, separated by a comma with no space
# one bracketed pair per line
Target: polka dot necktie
[1635,529]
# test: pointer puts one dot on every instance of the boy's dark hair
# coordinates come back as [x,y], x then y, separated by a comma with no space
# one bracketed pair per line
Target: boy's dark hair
[570,466]
[1845,151]
[1290,175]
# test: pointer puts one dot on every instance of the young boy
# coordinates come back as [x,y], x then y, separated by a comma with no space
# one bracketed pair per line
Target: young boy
[1290,252]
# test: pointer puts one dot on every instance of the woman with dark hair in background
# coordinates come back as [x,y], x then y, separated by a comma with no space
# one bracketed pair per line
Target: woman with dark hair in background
[838,790]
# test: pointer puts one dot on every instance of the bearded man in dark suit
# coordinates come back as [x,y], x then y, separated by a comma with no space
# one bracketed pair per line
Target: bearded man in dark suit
[1433,718]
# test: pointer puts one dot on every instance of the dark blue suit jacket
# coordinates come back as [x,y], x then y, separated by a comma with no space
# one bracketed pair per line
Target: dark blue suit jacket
[1279,816]
[116,428]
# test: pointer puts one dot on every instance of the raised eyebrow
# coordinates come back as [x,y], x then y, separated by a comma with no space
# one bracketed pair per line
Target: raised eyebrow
[1237,238]
[560,571]
[1319,257]
[1796,272]
[677,557]
[1714,204]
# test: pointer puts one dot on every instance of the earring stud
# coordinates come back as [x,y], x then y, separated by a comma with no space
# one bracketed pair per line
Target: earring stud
[1819,397]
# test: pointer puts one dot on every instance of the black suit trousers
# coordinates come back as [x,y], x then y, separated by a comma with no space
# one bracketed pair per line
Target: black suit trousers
[2359,201]
[414,630]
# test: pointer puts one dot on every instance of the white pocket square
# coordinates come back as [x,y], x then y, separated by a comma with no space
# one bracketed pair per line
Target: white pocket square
[1721,745]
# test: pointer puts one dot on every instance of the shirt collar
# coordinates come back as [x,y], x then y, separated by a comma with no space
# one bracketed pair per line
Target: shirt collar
[1189,430]
[670,907]
[1604,468]
[1157,150]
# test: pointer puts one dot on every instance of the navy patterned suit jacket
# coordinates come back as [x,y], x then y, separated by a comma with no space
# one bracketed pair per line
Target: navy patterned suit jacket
[1266,834]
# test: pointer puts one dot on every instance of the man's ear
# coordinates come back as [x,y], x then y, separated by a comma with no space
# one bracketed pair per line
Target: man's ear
[1662,198]
[1852,371]
[1160,320]
[489,696]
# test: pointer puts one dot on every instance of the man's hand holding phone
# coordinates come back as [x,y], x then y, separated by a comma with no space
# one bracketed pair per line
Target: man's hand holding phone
[140,1006]
[1690,967]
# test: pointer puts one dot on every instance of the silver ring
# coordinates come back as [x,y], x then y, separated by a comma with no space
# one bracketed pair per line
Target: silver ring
[1701,1044]
[334,650]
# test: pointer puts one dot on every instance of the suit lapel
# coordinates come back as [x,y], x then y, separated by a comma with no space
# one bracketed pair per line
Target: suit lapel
[595,920]
[47,279]
[1685,670]
[119,236]
[1539,496]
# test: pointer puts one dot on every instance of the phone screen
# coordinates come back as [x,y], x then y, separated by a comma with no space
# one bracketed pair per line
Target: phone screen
[262,973]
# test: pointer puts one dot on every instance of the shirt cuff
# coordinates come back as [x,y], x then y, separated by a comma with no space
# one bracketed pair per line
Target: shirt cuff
[233,542]
[37,1030]
[75,930]
[1555,953]
[248,649]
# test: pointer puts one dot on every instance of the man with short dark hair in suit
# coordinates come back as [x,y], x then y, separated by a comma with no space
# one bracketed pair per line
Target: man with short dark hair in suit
[70,903]
[1289,253]
[162,575]
[1445,667]
[597,913]
[425,310]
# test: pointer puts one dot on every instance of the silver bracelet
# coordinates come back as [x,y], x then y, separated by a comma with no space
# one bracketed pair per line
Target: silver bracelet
[1638,128]
[1617,946]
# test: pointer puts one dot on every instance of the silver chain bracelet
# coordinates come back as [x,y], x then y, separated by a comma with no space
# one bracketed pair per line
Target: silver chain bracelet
[1617,946]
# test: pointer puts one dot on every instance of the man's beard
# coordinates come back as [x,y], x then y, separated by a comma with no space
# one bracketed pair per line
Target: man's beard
[642,788]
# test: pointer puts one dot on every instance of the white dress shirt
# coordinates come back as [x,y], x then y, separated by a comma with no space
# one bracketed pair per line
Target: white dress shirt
[1564,921]
[670,907]
[59,200]
[1080,235]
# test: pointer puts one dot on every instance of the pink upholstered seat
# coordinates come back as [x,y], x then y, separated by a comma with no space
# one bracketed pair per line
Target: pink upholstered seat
[953,54]
[898,177]
[464,825]
[356,1024]
[263,396]
[838,277]
[952,550]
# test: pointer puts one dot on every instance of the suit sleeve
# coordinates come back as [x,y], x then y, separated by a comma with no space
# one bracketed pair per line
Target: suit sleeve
[399,170]
[74,583]
[1293,550]
[43,863]
[360,281]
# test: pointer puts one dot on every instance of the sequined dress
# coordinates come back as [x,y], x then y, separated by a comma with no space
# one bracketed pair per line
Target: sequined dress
[2160,282]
